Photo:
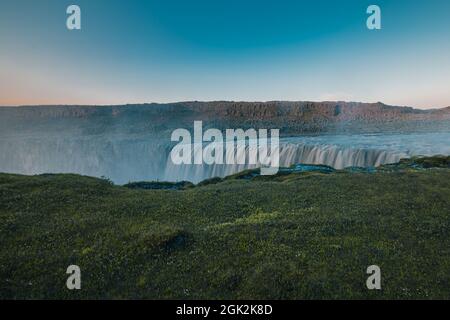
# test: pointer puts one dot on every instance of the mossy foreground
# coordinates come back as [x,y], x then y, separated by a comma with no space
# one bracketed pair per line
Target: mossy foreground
[296,236]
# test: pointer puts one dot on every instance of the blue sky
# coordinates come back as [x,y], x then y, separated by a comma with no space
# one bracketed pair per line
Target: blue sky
[161,51]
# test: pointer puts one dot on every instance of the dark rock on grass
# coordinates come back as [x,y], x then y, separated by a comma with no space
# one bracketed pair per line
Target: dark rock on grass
[210,181]
[418,163]
[156,185]
[433,162]
[245,175]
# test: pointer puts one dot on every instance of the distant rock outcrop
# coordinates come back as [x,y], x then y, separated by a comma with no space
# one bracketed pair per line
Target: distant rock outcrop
[290,117]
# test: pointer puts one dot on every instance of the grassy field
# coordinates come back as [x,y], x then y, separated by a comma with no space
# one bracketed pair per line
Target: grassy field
[294,236]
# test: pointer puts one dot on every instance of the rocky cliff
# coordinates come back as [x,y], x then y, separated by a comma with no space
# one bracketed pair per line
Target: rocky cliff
[290,117]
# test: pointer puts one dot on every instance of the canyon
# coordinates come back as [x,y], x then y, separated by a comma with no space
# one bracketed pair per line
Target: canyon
[132,142]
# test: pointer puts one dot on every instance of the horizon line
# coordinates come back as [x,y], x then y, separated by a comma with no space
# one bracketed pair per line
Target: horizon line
[214,101]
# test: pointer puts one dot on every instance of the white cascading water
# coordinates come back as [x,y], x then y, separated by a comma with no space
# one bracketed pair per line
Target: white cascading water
[124,158]
[120,159]
[338,157]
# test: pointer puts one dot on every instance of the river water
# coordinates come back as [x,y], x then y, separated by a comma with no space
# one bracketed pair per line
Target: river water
[124,158]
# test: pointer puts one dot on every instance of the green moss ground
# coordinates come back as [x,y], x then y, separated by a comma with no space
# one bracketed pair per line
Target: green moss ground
[295,236]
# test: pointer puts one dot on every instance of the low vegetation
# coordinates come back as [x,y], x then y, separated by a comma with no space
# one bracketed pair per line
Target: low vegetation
[297,235]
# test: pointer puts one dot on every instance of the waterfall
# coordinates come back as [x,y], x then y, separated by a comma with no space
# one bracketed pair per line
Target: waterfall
[125,157]
[335,156]
[119,158]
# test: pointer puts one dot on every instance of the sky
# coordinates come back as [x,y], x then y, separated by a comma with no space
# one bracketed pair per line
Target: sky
[139,51]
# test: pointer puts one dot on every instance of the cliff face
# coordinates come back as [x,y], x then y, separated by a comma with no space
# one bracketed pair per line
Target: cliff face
[305,111]
[132,142]
[290,117]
